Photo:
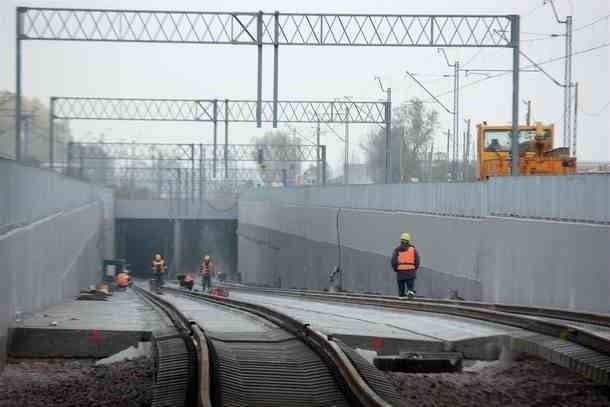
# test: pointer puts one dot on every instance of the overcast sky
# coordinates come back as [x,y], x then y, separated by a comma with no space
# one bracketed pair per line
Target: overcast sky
[213,71]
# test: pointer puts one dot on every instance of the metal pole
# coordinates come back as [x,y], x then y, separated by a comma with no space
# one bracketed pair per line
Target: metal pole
[467,164]
[192,190]
[275,65]
[388,134]
[568,79]
[323,165]
[70,157]
[201,172]
[19,29]
[346,148]
[51,132]
[259,90]
[25,143]
[456,117]
[226,152]
[318,169]
[448,155]
[215,121]
[514,170]
[575,128]
[401,174]
[177,247]
[565,90]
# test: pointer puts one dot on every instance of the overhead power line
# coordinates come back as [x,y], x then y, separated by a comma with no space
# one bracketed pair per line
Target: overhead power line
[582,27]
[548,61]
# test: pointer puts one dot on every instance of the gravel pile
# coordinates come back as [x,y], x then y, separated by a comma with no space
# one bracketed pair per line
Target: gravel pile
[76,383]
[525,383]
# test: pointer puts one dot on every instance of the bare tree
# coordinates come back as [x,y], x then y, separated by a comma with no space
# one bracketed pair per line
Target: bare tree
[281,144]
[413,126]
[35,127]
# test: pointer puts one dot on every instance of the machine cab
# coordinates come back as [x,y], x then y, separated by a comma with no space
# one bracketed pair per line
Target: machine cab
[537,154]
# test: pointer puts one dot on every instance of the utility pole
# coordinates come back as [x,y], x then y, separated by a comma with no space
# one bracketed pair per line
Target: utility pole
[567,90]
[318,169]
[448,160]
[467,154]
[346,165]
[388,131]
[456,108]
[567,76]
[573,152]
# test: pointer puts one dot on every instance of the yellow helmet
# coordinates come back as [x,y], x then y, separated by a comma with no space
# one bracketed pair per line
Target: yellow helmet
[157,257]
[206,258]
[405,237]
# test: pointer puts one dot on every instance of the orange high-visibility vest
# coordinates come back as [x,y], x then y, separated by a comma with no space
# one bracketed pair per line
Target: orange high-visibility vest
[158,266]
[406,260]
[206,268]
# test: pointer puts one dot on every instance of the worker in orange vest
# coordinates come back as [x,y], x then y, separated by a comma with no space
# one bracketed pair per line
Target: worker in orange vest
[159,268]
[206,270]
[405,262]
[122,280]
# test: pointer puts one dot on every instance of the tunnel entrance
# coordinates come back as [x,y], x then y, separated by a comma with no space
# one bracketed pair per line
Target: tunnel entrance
[183,243]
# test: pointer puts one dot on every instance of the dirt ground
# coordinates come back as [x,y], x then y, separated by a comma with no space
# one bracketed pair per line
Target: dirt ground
[76,383]
[524,383]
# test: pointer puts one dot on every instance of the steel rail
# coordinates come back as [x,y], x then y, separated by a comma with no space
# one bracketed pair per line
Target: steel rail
[196,345]
[324,346]
[511,315]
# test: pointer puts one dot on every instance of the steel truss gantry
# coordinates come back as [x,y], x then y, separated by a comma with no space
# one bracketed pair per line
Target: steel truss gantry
[215,111]
[186,163]
[191,152]
[173,182]
[274,29]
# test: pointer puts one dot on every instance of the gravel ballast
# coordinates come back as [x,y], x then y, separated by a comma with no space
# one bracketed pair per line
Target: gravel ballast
[524,383]
[76,383]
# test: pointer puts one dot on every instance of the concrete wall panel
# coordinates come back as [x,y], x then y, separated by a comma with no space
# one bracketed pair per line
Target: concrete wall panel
[54,231]
[49,260]
[557,264]
[501,259]
[28,193]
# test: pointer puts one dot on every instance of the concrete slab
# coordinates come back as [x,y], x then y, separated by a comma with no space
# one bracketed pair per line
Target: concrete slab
[388,331]
[223,323]
[123,311]
[88,329]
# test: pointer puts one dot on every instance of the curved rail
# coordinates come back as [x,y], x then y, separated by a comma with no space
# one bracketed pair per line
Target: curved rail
[197,353]
[329,350]
[527,318]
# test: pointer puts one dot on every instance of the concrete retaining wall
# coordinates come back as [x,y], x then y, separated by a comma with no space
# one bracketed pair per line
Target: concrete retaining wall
[501,259]
[48,253]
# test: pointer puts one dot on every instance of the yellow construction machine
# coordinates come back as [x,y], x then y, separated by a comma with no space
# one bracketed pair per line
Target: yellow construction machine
[537,154]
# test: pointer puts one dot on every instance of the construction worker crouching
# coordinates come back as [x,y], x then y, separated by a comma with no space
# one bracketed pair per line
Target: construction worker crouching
[405,262]
[159,268]
[206,270]
[122,280]
[188,281]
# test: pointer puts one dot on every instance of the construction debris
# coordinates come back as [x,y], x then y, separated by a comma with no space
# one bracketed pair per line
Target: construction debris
[144,349]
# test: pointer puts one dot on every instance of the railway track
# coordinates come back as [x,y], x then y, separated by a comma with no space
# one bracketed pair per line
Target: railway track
[293,364]
[554,329]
